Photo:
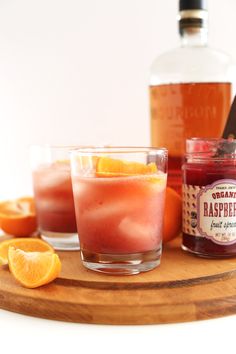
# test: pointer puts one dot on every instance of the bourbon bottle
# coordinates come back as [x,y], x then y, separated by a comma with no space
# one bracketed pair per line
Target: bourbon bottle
[190,89]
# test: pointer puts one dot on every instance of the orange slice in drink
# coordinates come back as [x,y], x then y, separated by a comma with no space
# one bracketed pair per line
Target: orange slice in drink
[33,269]
[25,244]
[107,167]
[17,217]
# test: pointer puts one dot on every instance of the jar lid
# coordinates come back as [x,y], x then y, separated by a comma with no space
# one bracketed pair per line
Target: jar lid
[211,148]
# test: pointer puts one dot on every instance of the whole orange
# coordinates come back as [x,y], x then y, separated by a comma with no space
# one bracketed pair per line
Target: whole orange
[17,217]
[172,215]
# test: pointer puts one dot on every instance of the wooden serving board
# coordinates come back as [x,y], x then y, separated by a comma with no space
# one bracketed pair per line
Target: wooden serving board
[182,288]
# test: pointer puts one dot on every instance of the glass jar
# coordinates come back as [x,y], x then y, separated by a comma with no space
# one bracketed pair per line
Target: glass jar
[209,197]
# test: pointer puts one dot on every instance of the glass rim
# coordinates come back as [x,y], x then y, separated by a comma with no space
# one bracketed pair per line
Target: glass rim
[57,146]
[119,150]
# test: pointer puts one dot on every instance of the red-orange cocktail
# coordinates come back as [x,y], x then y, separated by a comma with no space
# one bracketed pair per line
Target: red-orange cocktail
[119,204]
[54,198]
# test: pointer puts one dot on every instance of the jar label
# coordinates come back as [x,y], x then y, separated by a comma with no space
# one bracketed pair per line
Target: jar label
[210,211]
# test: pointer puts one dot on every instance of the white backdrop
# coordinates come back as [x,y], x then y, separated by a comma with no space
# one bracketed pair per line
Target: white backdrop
[76,71]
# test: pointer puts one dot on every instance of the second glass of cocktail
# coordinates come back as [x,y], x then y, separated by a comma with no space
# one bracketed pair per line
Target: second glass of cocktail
[53,196]
[119,196]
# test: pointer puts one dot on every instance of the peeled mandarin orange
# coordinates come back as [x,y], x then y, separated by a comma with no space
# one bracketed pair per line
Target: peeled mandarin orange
[17,217]
[172,215]
[25,244]
[33,269]
[107,167]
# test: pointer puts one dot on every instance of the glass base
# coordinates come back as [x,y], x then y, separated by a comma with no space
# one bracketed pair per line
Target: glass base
[121,264]
[61,241]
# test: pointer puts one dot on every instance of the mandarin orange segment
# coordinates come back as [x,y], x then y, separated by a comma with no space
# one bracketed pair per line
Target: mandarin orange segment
[17,217]
[33,269]
[25,244]
[107,167]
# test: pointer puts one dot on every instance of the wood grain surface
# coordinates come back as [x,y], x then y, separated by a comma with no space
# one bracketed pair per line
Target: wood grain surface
[182,288]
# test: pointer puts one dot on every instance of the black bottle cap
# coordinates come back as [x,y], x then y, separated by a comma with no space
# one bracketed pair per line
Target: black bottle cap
[192,5]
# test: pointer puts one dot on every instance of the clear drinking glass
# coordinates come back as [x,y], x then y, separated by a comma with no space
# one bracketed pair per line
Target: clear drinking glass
[119,204]
[53,196]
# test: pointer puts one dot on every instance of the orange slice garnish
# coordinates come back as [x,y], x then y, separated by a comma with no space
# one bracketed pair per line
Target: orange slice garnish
[25,244]
[33,269]
[107,167]
[17,217]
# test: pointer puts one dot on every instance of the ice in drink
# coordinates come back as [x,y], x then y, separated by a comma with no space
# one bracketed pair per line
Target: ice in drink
[54,200]
[120,215]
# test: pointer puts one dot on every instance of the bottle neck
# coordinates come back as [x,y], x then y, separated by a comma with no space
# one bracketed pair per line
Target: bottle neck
[194,37]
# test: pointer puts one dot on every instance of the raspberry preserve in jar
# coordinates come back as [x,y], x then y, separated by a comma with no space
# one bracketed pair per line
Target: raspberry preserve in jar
[209,197]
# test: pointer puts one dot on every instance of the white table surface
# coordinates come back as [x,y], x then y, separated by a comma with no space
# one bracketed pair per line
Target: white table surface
[23,334]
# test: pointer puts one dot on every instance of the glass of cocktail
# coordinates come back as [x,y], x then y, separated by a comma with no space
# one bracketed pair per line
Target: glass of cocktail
[119,198]
[53,196]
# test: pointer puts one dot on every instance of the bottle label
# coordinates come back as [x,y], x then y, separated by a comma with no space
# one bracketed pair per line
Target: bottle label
[182,110]
[210,211]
